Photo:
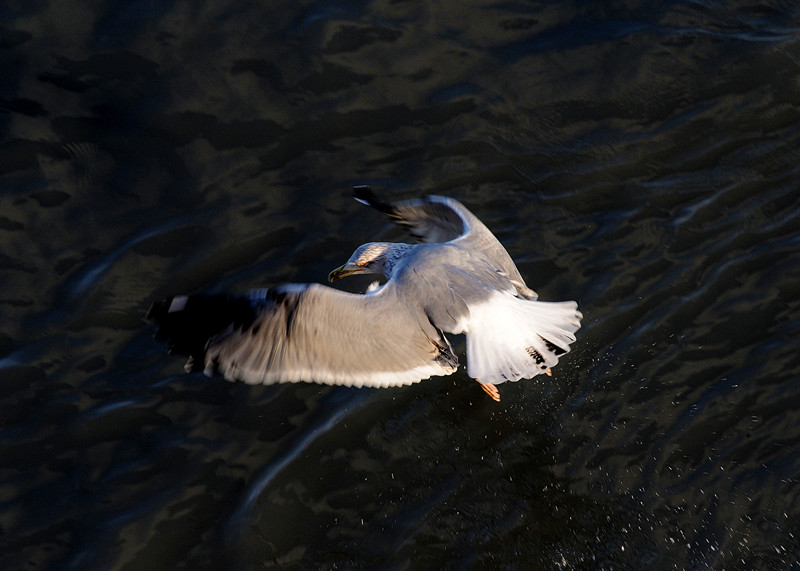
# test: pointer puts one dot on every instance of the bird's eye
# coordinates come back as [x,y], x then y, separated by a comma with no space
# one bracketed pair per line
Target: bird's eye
[362,264]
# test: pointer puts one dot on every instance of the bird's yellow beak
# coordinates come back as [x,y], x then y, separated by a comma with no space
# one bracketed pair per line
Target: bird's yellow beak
[342,272]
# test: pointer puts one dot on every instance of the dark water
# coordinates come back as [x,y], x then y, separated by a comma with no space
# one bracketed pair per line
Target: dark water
[641,158]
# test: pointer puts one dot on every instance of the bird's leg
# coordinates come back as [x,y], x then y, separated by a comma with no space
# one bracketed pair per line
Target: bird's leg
[549,373]
[490,390]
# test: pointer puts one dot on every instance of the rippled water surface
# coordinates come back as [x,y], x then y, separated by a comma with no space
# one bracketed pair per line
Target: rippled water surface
[640,158]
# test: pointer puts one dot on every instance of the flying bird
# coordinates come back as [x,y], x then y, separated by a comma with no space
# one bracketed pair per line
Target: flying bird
[457,279]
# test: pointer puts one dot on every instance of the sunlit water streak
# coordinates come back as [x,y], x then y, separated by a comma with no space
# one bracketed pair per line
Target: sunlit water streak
[334,412]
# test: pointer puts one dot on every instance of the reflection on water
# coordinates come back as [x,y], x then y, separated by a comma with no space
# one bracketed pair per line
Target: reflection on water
[642,160]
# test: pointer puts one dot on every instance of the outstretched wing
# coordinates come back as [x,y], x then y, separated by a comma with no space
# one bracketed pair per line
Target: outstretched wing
[306,333]
[430,219]
[440,219]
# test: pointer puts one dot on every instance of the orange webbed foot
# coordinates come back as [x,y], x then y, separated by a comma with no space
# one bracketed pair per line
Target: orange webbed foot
[490,390]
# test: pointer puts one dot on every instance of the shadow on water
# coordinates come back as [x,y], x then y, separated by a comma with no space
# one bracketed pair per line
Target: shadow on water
[641,160]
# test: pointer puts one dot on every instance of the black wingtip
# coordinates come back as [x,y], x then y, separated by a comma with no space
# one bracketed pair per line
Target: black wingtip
[363,191]
[158,310]
[365,195]
[186,323]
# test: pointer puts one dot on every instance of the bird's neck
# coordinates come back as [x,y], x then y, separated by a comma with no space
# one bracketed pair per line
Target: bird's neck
[393,255]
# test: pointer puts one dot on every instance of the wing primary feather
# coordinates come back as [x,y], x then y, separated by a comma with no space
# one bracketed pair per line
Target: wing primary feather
[365,195]
[187,325]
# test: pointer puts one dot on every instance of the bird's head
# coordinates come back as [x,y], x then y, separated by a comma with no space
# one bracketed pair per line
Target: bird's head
[372,258]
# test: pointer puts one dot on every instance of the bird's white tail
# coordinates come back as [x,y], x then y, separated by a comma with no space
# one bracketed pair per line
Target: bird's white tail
[509,338]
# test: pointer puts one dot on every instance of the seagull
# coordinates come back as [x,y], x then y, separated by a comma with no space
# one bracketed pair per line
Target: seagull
[457,279]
